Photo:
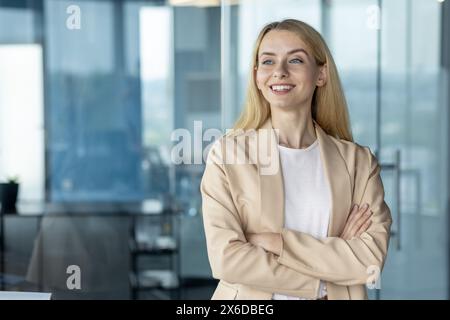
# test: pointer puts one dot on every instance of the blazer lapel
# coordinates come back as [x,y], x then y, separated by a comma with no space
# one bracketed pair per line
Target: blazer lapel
[338,180]
[270,182]
[272,186]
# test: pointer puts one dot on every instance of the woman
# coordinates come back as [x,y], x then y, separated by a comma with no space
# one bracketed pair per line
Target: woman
[309,220]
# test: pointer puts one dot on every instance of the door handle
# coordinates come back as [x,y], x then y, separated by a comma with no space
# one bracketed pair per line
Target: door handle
[395,168]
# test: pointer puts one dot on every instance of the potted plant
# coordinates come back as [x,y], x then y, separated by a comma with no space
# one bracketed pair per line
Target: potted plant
[8,194]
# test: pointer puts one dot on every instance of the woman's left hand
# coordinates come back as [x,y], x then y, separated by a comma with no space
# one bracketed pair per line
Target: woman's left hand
[269,241]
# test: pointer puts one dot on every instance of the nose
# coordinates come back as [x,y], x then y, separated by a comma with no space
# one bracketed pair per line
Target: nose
[280,71]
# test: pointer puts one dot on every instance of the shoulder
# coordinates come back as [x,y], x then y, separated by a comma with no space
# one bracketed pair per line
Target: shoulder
[355,155]
[228,144]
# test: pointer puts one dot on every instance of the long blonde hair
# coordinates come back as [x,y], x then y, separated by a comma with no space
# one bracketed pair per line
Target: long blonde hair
[329,107]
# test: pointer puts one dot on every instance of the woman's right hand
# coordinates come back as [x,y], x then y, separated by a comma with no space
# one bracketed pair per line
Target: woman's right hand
[357,222]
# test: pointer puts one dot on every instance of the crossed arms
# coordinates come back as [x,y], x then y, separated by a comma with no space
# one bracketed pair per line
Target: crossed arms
[303,260]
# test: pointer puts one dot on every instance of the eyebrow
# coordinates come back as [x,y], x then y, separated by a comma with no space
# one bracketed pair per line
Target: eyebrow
[290,52]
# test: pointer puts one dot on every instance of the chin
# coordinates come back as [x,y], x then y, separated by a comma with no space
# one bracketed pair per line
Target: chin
[282,105]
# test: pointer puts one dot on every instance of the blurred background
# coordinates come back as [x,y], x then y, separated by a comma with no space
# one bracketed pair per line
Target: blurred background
[91,91]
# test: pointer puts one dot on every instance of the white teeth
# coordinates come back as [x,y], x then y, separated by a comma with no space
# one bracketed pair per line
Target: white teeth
[282,88]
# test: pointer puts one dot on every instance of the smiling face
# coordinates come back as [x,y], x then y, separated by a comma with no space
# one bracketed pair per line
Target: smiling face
[287,73]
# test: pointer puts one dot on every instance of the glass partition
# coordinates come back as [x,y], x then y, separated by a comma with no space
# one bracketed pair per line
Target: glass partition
[388,55]
[414,126]
[96,96]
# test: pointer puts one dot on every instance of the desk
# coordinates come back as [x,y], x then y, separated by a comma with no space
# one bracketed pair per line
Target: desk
[107,210]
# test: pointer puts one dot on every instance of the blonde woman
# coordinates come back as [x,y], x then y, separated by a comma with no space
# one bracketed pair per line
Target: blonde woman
[314,226]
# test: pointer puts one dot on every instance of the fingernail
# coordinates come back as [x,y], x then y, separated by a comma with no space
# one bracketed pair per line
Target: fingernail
[366,206]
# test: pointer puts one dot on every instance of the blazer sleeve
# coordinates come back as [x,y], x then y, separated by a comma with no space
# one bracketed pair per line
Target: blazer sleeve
[231,257]
[345,262]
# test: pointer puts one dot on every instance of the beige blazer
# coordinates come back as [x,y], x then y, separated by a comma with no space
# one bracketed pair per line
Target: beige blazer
[241,198]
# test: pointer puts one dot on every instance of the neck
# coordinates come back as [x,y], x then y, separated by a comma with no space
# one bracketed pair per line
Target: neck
[296,127]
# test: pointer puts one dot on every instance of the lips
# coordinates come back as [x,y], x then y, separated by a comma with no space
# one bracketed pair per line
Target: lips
[280,89]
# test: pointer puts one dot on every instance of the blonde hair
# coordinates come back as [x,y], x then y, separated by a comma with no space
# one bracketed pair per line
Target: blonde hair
[329,106]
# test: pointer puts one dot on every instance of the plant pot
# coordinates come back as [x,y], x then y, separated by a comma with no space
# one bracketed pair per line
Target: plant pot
[8,196]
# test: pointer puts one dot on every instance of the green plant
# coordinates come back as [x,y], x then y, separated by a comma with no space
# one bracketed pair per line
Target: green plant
[12,179]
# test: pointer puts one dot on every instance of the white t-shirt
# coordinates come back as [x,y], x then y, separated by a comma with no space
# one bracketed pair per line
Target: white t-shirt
[307,196]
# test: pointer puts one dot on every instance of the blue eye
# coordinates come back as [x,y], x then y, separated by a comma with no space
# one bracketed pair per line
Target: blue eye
[270,62]
[298,60]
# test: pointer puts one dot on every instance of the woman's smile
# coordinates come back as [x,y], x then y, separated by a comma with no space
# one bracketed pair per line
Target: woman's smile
[287,73]
[281,89]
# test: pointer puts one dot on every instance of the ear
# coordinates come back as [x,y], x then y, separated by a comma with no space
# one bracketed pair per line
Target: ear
[322,78]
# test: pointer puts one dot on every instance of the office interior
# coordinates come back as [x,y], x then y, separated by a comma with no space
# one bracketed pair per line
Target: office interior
[92,91]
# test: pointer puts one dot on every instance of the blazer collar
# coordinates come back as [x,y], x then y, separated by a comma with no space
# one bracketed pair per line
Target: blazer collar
[272,187]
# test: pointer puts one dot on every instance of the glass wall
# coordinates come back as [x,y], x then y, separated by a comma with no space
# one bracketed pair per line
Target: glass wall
[95,95]
[21,101]
[93,105]
[414,124]
[106,82]
[388,57]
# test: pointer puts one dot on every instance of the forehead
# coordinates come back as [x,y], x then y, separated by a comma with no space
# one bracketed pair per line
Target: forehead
[280,41]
